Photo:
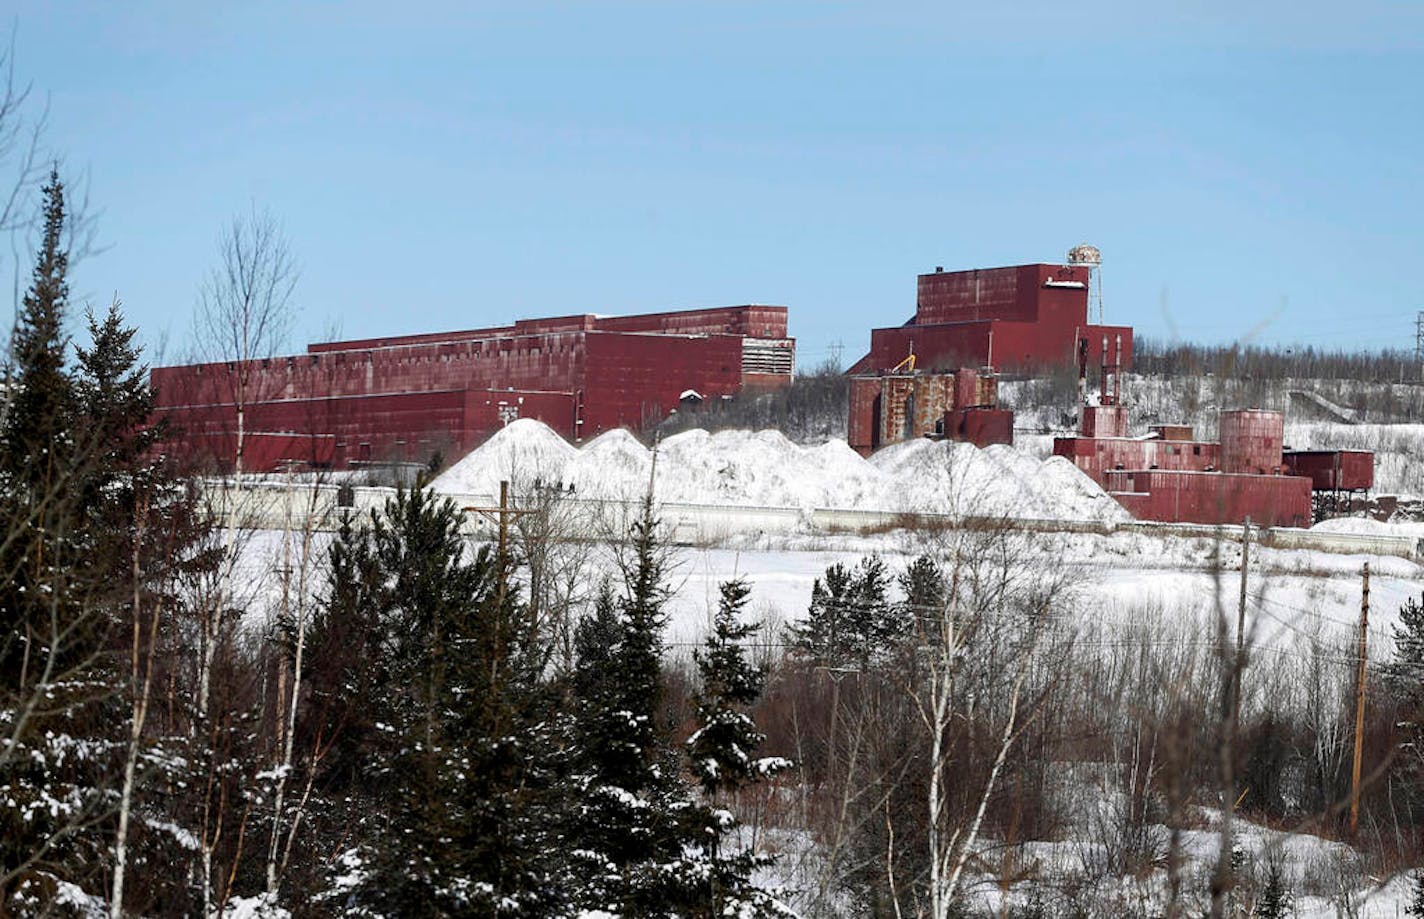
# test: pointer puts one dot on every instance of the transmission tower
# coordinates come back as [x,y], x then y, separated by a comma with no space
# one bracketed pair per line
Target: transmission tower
[1419,337]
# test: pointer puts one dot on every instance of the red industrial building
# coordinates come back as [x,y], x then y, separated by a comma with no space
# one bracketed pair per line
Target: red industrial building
[903,404]
[1339,478]
[406,398]
[915,381]
[1170,475]
[1024,317]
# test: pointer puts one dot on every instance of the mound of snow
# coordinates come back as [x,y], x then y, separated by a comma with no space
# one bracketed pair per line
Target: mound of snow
[765,469]
[523,451]
[1366,526]
[612,465]
[762,469]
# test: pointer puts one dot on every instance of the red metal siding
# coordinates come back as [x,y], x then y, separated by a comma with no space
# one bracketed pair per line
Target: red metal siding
[404,397]
[752,321]
[861,428]
[1097,456]
[755,321]
[936,348]
[1212,497]
[1172,431]
[1006,345]
[1104,421]
[1331,470]
[980,426]
[1251,441]
[634,378]
[1014,293]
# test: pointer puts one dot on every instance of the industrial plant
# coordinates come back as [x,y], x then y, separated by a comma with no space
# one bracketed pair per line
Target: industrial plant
[414,398]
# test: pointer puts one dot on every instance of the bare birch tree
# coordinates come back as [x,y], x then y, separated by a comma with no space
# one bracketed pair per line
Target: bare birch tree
[245,310]
[978,664]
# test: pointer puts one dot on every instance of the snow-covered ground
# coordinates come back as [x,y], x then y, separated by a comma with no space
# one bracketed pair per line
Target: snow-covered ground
[1299,599]
[1323,875]
[1297,594]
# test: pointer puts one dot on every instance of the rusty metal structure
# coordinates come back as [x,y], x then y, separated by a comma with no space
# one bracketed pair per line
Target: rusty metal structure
[904,403]
[1340,479]
[1170,475]
[407,398]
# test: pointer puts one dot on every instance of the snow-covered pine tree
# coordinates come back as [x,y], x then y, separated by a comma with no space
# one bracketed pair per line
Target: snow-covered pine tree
[142,536]
[722,757]
[1275,899]
[455,825]
[56,754]
[630,834]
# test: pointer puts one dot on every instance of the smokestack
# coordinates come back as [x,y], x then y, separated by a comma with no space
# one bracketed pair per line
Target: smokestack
[1117,372]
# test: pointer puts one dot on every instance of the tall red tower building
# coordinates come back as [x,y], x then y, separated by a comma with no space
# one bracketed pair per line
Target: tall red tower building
[1023,317]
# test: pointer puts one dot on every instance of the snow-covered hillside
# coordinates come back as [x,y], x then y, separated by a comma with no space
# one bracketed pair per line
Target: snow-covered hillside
[765,469]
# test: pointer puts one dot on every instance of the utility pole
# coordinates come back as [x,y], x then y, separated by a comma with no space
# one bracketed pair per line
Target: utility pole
[1241,628]
[502,515]
[1419,337]
[1360,702]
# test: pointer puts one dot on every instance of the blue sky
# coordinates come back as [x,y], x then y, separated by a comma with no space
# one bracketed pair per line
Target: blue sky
[1249,174]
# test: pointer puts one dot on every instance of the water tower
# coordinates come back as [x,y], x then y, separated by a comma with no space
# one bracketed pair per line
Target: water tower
[1089,257]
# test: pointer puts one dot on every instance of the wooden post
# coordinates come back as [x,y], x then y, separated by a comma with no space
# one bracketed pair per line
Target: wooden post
[1240,663]
[1360,702]
[501,515]
[503,519]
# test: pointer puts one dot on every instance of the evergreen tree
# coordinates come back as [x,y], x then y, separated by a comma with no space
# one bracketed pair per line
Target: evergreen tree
[1275,900]
[1405,675]
[631,833]
[851,621]
[112,396]
[453,821]
[722,755]
[55,611]
[36,432]
[347,665]
[1407,669]
[826,636]
[926,593]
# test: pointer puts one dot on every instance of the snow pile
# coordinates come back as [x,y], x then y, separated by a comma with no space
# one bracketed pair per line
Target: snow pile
[765,469]
[612,465]
[523,451]
[762,469]
[1366,526]
[959,478]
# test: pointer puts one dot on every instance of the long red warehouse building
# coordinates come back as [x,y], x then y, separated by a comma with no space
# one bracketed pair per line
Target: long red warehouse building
[406,398]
